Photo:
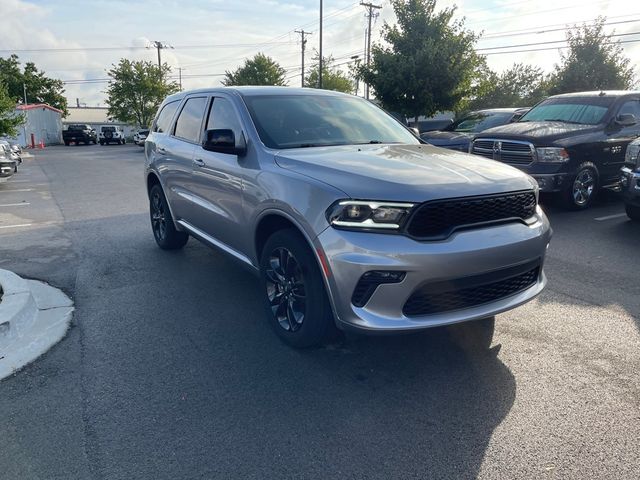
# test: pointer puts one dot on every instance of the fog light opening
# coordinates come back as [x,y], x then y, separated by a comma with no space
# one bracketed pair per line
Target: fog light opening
[370,281]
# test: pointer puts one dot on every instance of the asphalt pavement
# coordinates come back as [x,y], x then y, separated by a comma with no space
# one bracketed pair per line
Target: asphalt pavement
[170,370]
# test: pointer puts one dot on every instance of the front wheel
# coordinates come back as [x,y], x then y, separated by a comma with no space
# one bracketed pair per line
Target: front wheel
[474,335]
[164,231]
[582,190]
[633,212]
[295,299]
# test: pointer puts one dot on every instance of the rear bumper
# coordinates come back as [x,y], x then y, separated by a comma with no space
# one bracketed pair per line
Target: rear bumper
[465,254]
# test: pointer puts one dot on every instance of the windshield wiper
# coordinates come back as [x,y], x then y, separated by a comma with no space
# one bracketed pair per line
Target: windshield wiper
[562,121]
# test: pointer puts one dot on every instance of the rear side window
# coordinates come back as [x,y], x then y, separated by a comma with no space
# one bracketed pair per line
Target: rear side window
[190,119]
[163,123]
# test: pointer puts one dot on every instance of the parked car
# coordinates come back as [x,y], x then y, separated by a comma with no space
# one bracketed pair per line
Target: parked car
[16,148]
[140,137]
[111,134]
[8,165]
[630,182]
[12,152]
[431,125]
[345,215]
[572,144]
[79,133]
[458,135]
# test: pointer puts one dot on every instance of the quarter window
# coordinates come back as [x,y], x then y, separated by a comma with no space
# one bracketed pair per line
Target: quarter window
[223,116]
[190,119]
[163,122]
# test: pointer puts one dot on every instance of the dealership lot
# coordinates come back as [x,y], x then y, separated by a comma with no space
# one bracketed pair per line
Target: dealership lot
[170,370]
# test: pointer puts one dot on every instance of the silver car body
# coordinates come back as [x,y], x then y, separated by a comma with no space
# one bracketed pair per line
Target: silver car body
[226,201]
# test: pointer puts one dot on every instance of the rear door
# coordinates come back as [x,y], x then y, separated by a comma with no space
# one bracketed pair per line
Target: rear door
[217,180]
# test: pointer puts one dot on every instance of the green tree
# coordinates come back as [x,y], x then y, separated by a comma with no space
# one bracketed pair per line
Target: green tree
[594,61]
[427,62]
[519,86]
[332,78]
[9,121]
[39,87]
[259,70]
[136,90]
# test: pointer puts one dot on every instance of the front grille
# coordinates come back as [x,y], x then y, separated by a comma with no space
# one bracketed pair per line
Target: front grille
[438,219]
[515,153]
[470,292]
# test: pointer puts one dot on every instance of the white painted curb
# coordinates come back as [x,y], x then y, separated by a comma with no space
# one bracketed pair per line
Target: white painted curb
[33,317]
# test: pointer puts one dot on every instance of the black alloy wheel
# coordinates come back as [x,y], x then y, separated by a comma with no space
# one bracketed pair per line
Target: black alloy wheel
[164,231]
[286,289]
[295,298]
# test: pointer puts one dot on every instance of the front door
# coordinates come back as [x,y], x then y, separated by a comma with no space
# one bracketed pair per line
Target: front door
[217,180]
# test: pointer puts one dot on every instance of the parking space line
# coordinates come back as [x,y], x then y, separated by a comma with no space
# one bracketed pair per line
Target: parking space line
[16,226]
[610,217]
[15,204]
[17,190]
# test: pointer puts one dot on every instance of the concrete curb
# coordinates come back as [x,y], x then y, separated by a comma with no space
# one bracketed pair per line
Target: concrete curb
[33,317]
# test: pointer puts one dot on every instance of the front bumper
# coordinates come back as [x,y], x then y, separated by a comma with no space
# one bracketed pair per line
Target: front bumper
[7,169]
[630,185]
[554,182]
[465,254]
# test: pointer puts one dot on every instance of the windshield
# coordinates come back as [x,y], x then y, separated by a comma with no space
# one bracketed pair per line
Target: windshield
[108,129]
[295,121]
[479,121]
[585,110]
[77,127]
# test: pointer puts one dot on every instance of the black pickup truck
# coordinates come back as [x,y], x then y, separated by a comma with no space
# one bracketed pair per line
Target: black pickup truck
[77,133]
[572,144]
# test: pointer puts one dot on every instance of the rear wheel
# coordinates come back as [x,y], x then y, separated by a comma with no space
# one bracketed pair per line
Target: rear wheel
[633,212]
[475,335]
[66,142]
[164,231]
[296,301]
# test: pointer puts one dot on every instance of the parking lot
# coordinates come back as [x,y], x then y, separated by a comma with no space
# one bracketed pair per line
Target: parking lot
[171,371]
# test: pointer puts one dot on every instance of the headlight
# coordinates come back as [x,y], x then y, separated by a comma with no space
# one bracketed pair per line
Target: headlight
[632,154]
[358,214]
[552,155]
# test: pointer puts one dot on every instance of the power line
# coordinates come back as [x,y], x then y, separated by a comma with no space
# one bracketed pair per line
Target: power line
[554,48]
[107,49]
[303,42]
[548,43]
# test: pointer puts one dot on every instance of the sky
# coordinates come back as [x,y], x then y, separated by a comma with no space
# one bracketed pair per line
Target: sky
[78,41]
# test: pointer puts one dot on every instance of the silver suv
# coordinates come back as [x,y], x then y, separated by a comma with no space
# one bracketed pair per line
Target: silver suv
[348,218]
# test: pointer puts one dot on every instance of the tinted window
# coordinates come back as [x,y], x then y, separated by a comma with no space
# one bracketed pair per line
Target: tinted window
[632,106]
[190,119]
[223,116]
[477,122]
[585,110]
[163,122]
[295,121]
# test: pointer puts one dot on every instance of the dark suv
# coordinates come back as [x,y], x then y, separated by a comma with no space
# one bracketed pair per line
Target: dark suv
[572,144]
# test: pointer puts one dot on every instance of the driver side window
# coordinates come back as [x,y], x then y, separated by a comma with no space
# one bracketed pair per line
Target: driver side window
[223,116]
[632,107]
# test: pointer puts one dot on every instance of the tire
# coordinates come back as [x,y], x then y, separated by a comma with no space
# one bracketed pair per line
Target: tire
[582,188]
[66,143]
[475,335]
[633,212]
[101,143]
[295,299]
[162,226]
[95,142]
[124,140]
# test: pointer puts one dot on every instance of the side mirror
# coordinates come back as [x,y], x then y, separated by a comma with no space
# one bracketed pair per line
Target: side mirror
[415,131]
[224,141]
[626,120]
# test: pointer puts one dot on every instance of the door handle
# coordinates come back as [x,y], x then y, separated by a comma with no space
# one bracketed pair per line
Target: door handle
[199,162]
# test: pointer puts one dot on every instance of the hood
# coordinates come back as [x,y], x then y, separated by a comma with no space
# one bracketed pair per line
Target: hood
[446,138]
[540,131]
[413,173]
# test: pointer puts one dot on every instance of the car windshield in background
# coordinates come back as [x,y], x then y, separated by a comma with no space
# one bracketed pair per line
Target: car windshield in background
[108,129]
[478,122]
[589,111]
[296,121]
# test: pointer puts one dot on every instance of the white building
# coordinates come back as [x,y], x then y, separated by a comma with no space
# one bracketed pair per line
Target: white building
[43,123]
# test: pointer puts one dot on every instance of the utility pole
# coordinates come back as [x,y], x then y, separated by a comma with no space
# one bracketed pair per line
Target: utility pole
[180,77]
[370,15]
[159,46]
[24,89]
[304,44]
[320,61]
[356,60]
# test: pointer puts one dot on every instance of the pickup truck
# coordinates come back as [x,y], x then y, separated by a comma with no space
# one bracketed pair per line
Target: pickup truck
[77,133]
[572,144]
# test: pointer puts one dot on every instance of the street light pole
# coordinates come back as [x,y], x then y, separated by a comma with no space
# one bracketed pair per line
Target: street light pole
[320,61]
